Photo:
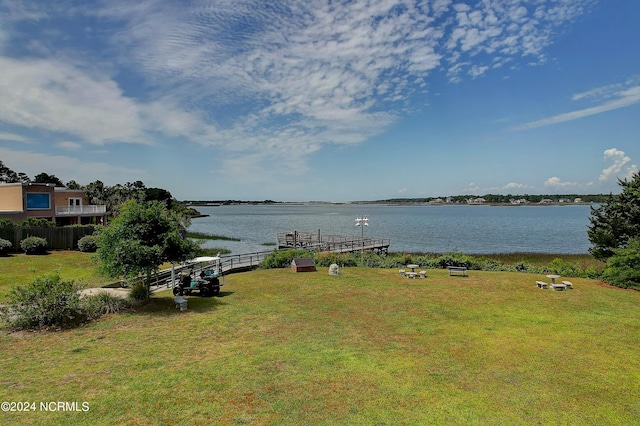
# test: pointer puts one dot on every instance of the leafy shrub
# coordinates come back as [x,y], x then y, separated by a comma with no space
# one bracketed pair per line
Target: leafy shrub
[7,223]
[37,222]
[522,266]
[5,247]
[34,245]
[87,244]
[623,268]
[283,258]
[47,301]
[96,305]
[561,267]
[139,292]
[454,258]
[485,264]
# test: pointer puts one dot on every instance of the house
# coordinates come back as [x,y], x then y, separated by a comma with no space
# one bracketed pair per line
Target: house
[476,200]
[20,201]
[303,264]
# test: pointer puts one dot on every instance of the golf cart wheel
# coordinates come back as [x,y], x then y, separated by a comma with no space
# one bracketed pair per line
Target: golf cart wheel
[176,291]
[216,291]
[204,292]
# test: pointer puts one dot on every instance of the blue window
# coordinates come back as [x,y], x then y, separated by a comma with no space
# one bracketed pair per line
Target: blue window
[37,201]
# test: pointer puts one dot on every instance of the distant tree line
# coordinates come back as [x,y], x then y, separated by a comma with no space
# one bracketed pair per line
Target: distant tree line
[227,202]
[505,199]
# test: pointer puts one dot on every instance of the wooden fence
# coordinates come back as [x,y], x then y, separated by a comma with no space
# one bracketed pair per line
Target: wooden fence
[58,238]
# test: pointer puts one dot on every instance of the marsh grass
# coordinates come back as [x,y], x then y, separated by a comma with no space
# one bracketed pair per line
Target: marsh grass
[204,236]
[364,347]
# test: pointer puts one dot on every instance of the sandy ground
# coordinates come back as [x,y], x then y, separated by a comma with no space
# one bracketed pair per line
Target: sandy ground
[120,292]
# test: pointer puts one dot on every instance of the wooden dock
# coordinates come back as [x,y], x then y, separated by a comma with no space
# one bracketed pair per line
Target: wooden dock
[286,240]
[335,243]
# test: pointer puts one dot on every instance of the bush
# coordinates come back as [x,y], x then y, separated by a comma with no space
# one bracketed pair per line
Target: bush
[7,223]
[5,247]
[283,258]
[37,222]
[47,301]
[454,258]
[87,244]
[96,305]
[34,245]
[623,268]
[139,292]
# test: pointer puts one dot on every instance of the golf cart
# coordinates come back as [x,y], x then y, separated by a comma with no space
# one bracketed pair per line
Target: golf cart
[201,277]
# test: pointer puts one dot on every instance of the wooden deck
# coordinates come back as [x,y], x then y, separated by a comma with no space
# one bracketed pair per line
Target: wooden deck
[335,243]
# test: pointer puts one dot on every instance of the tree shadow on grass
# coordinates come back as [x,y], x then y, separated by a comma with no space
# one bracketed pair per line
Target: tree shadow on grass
[165,306]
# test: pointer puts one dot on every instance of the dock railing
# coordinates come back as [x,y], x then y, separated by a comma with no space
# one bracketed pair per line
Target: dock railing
[337,243]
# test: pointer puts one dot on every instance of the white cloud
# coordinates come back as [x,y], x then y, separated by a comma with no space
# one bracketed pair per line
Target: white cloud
[69,145]
[477,71]
[624,98]
[556,182]
[13,137]
[618,160]
[297,75]
[514,185]
[47,94]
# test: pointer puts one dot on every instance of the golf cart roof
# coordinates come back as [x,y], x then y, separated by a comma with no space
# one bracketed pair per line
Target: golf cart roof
[204,259]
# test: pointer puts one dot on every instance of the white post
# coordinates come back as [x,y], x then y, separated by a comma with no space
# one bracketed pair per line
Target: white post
[362,222]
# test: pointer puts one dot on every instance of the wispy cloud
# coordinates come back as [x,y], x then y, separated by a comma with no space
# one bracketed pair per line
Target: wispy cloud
[252,77]
[69,145]
[13,137]
[619,98]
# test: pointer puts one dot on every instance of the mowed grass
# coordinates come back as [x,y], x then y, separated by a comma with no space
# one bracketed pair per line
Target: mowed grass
[365,347]
[21,269]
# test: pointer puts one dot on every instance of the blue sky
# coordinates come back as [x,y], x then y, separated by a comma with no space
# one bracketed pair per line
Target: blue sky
[323,100]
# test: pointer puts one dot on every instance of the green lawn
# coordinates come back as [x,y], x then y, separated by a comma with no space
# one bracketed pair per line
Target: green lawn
[21,269]
[367,347]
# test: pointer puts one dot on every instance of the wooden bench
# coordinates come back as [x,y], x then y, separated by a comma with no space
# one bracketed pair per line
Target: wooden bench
[559,287]
[461,270]
[541,284]
[568,284]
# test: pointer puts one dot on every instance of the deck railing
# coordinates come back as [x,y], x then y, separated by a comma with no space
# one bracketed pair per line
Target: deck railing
[73,210]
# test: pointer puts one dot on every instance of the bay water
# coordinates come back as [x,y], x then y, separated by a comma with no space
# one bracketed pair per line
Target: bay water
[473,229]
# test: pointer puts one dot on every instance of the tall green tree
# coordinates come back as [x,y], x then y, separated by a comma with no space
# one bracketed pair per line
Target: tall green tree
[616,221]
[47,178]
[140,239]
[7,175]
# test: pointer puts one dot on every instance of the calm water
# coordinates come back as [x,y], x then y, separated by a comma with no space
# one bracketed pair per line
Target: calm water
[437,229]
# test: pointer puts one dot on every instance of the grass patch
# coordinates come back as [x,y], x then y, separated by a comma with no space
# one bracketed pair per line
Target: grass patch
[204,236]
[21,269]
[365,347]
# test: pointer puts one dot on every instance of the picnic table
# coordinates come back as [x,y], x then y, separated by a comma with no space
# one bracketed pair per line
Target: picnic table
[460,270]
